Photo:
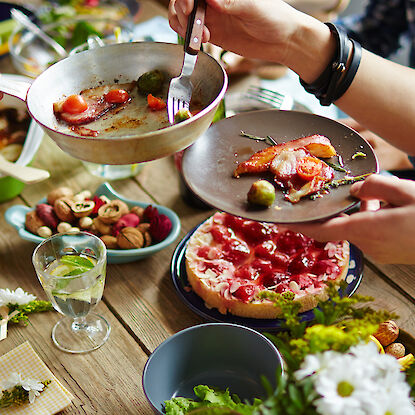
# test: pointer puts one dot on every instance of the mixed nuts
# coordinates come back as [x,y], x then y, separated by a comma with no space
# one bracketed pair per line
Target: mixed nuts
[118,225]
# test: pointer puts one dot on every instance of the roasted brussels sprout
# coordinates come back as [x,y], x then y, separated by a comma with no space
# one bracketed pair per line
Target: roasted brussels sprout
[182,115]
[150,82]
[261,192]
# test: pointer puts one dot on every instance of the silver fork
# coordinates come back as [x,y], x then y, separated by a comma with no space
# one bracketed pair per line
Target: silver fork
[267,96]
[180,89]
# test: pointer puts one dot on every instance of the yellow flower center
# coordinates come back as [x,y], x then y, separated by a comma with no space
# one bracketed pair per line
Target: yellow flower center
[345,389]
[388,413]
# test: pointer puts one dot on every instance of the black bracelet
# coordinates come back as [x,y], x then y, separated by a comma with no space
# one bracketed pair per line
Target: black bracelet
[351,71]
[324,88]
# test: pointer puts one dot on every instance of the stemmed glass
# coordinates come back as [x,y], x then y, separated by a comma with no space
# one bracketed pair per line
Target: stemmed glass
[71,268]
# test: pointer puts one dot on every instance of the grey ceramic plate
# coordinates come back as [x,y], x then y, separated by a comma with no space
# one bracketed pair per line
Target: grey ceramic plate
[209,163]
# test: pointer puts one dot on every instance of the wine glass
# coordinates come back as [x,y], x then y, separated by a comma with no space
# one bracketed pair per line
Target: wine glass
[71,268]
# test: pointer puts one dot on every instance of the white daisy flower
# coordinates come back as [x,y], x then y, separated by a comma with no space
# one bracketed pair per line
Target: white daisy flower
[32,386]
[315,362]
[396,402]
[17,296]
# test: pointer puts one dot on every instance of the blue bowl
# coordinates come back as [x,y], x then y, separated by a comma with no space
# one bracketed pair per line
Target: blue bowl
[16,216]
[216,354]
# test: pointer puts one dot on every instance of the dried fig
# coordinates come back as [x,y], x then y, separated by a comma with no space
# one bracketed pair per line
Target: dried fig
[58,193]
[130,238]
[387,332]
[33,222]
[63,209]
[111,212]
[110,241]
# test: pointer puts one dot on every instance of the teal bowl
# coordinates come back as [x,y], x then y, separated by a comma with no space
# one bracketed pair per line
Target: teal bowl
[218,355]
[16,216]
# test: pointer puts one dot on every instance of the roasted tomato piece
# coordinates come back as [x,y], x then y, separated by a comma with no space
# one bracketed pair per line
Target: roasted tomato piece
[155,103]
[117,96]
[309,167]
[74,104]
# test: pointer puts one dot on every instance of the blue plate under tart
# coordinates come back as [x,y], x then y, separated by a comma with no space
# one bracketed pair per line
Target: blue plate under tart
[196,303]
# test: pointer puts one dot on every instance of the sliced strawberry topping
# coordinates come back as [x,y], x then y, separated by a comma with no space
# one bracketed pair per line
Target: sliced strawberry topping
[325,266]
[220,234]
[300,263]
[291,242]
[303,280]
[203,251]
[235,251]
[275,278]
[245,293]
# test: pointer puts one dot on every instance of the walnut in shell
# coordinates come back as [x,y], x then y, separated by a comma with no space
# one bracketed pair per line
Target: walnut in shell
[130,238]
[101,227]
[63,209]
[387,332]
[396,349]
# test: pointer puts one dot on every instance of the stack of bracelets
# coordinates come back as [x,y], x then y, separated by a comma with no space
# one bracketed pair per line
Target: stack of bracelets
[339,74]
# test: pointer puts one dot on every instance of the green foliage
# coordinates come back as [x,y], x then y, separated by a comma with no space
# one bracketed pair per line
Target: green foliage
[17,396]
[35,306]
[211,401]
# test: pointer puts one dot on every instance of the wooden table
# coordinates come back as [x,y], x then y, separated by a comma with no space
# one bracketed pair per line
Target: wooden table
[139,301]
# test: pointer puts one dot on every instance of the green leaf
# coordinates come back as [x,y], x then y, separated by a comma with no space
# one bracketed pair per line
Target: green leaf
[82,31]
[77,261]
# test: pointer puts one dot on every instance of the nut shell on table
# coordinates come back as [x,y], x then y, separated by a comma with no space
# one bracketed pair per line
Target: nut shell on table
[130,238]
[387,332]
[101,227]
[83,208]
[58,193]
[63,209]
[110,241]
[111,212]
[396,349]
[33,221]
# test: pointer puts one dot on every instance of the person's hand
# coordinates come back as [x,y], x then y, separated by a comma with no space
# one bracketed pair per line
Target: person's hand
[390,157]
[262,29]
[386,232]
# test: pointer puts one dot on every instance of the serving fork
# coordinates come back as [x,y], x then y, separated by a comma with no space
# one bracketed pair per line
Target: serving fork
[180,89]
[270,97]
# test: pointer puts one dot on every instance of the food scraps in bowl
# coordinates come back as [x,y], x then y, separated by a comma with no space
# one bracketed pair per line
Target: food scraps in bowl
[118,225]
[116,109]
[14,124]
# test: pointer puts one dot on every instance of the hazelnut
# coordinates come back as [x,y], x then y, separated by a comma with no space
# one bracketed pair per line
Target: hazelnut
[81,196]
[63,209]
[74,229]
[82,208]
[396,349]
[47,214]
[139,211]
[33,222]
[110,241]
[58,193]
[85,222]
[111,212]
[387,332]
[44,232]
[63,227]
[130,238]
[101,227]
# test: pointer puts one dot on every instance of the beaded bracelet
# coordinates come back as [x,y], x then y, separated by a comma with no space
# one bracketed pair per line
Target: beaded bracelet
[337,76]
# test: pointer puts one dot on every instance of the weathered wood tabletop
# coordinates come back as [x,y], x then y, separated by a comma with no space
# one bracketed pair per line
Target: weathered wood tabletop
[139,301]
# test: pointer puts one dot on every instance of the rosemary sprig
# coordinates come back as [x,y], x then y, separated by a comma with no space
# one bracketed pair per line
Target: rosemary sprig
[336,167]
[340,182]
[268,139]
